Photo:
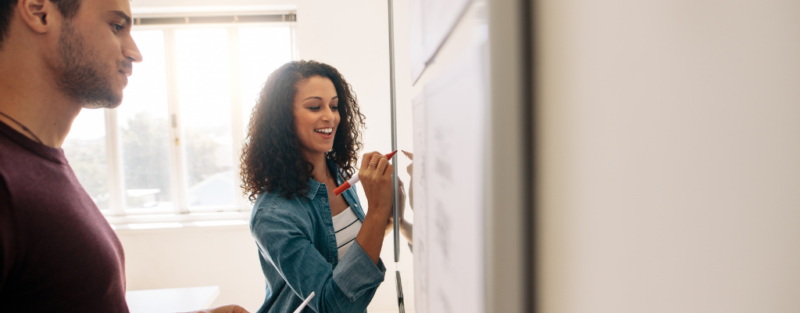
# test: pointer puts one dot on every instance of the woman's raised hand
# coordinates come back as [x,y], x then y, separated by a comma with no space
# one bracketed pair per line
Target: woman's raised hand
[376,178]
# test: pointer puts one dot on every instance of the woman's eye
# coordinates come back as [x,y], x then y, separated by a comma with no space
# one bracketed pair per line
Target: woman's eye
[314,108]
[335,107]
[116,27]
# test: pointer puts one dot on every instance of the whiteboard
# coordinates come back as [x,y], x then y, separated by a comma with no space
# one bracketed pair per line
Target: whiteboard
[449,130]
[431,22]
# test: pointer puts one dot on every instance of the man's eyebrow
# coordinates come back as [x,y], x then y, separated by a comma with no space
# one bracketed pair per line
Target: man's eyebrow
[122,15]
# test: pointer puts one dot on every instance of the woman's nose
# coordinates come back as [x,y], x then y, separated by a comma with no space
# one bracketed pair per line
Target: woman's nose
[327,115]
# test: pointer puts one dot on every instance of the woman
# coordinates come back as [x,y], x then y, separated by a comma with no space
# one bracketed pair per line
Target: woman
[302,143]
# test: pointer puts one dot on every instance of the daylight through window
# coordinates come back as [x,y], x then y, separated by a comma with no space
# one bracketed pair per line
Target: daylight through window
[173,144]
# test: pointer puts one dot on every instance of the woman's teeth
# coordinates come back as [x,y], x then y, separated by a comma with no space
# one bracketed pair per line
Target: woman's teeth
[326,131]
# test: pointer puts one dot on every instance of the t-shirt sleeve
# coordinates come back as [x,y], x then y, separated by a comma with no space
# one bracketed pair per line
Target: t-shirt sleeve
[6,234]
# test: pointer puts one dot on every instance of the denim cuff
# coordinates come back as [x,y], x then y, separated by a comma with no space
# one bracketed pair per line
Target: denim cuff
[356,273]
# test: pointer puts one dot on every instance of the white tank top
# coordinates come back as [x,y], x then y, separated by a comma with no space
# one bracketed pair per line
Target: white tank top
[346,225]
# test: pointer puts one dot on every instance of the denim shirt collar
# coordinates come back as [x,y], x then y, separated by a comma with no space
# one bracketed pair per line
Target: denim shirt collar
[314,185]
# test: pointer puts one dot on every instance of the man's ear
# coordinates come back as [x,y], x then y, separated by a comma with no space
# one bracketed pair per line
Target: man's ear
[37,14]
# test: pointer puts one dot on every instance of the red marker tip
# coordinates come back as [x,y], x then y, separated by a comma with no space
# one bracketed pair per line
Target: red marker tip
[391,154]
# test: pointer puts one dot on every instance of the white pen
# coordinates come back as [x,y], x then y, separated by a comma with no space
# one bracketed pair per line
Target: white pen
[303,305]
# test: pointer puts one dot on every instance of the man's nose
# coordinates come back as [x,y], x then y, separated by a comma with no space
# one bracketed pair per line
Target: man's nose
[131,51]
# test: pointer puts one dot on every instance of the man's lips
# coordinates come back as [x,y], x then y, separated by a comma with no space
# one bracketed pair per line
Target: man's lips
[124,78]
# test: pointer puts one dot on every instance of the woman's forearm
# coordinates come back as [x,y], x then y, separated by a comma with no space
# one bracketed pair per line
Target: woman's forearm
[370,237]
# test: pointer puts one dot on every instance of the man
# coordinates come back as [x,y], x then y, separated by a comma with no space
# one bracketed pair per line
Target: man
[57,252]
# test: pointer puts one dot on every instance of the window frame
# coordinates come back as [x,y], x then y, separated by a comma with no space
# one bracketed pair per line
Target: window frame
[117,213]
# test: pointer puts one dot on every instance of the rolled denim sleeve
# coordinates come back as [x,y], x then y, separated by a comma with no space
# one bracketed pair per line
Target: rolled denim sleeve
[284,238]
[356,270]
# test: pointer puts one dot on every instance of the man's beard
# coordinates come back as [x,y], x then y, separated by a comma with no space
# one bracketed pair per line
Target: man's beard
[81,75]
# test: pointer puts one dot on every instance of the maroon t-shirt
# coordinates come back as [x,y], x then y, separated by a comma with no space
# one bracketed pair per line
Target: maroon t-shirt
[57,251]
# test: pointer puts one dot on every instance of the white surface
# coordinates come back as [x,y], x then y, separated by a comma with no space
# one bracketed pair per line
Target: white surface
[171,300]
[455,113]
[431,22]
[669,165]
[439,17]
[416,51]
[450,96]
[420,206]
[224,256]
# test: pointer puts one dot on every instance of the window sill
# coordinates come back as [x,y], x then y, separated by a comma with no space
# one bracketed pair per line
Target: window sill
[179,221]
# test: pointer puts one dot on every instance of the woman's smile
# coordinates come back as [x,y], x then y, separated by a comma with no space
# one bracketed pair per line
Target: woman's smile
[325,132]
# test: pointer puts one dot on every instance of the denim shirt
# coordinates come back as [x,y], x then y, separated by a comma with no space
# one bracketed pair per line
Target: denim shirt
[298,253]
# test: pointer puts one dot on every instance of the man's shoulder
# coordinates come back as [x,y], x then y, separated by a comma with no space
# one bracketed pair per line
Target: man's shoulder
[10,151]
[12,159]
[15,160]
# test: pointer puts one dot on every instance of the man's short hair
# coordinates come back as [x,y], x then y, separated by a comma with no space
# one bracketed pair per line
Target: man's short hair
[68,9]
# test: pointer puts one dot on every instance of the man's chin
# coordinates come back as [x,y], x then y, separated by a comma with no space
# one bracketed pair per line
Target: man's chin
[108,102]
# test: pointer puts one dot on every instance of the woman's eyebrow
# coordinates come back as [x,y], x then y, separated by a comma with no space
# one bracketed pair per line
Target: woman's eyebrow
[319,98]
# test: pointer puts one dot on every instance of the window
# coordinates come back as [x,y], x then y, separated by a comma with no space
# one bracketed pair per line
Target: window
[85,148]
[173,145]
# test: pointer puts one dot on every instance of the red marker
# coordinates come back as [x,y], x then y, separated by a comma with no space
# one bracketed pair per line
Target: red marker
[353,180]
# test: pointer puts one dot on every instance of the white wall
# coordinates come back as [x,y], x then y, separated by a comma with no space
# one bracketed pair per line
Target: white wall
[351,35]
[669,141]
[224,256]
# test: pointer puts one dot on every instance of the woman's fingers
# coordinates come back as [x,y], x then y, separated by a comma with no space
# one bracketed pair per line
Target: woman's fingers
[366,159]
[382,163]
[375,163]
[376,178]
[389,170]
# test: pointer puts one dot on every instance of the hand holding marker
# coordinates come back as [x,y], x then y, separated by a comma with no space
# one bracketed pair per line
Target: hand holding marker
[353,180]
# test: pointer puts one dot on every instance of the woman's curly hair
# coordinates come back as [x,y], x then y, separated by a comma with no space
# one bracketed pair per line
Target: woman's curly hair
[271,158]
